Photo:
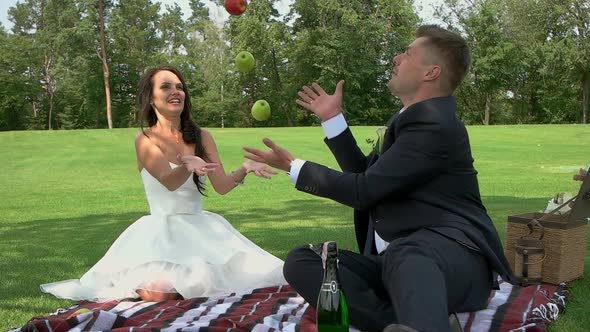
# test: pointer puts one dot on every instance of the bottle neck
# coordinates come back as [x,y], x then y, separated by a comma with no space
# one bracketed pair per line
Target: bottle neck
[331,268]
[330,261]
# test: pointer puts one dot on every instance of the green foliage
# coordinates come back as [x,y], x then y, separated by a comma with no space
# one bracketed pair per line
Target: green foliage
[531,59]
[135,46]
[354,41]
[18,91]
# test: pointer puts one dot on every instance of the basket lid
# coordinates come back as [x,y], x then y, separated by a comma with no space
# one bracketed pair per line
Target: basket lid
[581,208]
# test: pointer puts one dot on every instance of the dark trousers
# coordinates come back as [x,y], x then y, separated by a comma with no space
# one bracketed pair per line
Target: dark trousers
[417,282]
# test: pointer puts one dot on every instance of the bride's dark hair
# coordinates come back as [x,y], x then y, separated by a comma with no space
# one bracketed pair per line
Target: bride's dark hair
[191,133]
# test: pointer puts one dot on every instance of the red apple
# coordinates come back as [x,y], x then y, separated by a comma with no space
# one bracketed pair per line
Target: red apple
[235,7]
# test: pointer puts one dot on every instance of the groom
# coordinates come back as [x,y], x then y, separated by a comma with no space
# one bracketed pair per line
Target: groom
[428,246]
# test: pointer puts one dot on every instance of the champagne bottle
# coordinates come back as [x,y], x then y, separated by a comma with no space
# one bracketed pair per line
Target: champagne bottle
[331,310]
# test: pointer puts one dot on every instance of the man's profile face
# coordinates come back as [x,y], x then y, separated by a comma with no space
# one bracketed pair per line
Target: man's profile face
[408,70]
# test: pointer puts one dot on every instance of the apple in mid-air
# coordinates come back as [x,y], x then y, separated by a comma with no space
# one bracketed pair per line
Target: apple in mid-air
[245,61]
[235,7]
[261,110]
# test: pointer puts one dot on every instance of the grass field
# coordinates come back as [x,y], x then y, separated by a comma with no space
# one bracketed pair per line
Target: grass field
[66,195]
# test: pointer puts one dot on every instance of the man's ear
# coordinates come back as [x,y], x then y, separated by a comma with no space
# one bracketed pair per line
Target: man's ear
[433,73]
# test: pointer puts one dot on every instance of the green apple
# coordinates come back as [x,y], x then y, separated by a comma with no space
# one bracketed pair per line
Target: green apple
[245,61]
[261,110]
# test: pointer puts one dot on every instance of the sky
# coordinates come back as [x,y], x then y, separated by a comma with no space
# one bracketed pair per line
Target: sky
[219,14]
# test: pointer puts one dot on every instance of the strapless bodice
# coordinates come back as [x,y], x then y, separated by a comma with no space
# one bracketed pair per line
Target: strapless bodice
[186,199]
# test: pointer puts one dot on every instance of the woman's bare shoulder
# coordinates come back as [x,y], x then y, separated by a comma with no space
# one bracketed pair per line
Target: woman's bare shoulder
[144,136]
[205,134]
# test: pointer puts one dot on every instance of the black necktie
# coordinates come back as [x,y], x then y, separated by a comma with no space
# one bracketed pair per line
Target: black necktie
[370,237]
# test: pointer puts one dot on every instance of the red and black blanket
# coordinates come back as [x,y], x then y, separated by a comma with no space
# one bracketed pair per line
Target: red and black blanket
[280,308]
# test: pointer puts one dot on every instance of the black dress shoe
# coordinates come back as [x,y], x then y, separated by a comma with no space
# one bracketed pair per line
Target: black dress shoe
[398,328]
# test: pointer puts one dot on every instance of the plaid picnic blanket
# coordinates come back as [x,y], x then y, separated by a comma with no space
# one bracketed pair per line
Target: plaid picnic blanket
[280,308]
[518,309]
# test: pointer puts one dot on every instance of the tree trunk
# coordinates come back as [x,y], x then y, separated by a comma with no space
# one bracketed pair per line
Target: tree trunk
[50,111]
[585,97]
[222,107]
[221,96]
[47,63]
[48,88]
[280,86]
[103,58]
[486,119]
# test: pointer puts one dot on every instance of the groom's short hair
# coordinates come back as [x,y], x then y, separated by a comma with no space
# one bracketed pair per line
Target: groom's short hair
[450,49]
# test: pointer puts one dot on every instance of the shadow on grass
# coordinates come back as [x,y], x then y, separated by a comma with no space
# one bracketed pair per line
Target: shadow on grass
[46,250]
[297,222]
[55,247]
[65,247]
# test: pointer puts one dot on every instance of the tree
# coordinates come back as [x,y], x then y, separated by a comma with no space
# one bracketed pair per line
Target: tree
[76,63]
[173,33]
[102,6]
[211,57]
[259,32]
[493,54]
[50,25]
[553,56]
[351,40]
[19,90]
[133,31]
[575,21]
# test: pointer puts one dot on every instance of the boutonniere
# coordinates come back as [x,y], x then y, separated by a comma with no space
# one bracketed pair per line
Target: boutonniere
[378,144]
[380,138]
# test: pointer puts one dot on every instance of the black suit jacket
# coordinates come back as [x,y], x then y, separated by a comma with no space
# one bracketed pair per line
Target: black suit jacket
[423,178]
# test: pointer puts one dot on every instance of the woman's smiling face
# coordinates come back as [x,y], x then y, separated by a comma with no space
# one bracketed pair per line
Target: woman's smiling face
[167,94]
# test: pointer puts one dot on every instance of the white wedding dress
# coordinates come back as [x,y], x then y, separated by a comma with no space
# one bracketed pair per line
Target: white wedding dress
[190,251]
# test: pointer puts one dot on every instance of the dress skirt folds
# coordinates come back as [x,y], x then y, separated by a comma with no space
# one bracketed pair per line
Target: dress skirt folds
[177,248]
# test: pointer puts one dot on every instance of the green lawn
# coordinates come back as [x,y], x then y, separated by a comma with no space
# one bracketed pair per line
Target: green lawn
[66,195]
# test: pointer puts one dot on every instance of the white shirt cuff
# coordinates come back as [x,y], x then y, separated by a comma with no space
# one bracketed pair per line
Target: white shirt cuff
[296,165]
[335,126]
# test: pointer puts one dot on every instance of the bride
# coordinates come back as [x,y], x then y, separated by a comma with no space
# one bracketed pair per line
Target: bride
[179,250]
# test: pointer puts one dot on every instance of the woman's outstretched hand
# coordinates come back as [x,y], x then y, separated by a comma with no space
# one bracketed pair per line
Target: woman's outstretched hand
[197,165]
[259,169]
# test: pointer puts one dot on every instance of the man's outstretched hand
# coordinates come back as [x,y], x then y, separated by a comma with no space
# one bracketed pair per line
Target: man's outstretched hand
[323,105]
[276,157]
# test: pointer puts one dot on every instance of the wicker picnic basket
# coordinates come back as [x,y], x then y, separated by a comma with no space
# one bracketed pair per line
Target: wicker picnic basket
[549,247]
